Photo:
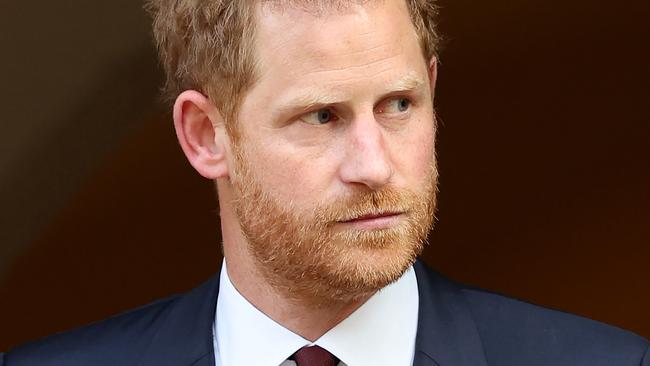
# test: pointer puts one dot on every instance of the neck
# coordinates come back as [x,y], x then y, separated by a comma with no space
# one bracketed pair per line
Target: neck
[308,321]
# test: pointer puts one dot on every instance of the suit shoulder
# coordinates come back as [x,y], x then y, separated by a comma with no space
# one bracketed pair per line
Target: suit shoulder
[546,336]
[118,340]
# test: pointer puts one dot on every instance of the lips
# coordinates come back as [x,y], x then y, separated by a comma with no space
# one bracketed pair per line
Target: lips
[373,216]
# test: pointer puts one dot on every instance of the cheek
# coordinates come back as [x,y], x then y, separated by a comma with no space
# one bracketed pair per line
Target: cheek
[426,153]
[295,176]
[414,153]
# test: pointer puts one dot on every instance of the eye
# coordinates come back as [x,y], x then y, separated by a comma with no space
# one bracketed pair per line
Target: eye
[403,104]
[397,105]
[320,117]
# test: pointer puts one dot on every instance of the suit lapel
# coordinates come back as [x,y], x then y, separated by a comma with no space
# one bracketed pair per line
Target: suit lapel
[446,335]
[185,335]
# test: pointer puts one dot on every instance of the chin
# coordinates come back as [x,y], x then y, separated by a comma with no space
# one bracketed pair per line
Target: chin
[360,270]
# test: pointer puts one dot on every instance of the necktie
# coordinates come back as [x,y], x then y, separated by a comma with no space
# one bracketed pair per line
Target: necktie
[314,356]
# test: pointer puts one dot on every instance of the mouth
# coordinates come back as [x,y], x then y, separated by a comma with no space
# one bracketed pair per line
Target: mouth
[380,220]
[373,216]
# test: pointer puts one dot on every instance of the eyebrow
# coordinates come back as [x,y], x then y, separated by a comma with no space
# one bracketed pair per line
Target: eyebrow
[408,82]
[316,97]
[312,98]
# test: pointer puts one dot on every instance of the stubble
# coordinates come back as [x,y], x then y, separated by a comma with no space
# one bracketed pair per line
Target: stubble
[310,258]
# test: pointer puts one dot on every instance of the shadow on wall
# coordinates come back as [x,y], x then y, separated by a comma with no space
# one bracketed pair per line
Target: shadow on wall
[80,77]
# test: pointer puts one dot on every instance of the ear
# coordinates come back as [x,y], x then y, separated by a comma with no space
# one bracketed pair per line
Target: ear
[433,74]
[201,134]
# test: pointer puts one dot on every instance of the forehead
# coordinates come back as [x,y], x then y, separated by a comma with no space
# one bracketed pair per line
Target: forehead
[336,47]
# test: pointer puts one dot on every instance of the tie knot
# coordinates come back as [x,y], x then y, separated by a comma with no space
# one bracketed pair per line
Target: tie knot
[314,356]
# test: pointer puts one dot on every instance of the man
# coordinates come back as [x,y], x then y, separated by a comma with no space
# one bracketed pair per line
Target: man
[316,121]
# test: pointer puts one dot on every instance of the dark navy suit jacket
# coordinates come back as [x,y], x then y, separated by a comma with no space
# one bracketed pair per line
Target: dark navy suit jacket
[458,326]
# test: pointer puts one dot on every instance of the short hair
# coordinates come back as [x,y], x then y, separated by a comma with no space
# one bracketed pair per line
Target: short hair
[208,45]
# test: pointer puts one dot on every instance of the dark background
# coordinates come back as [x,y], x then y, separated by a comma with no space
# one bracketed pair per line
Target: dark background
[544,157]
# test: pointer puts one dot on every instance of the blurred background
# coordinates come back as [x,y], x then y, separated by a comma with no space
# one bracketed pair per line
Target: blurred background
[544,156]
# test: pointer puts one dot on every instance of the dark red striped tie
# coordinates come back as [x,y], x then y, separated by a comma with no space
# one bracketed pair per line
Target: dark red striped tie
[314,356]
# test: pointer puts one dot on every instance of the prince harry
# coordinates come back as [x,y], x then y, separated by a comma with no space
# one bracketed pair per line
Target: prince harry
[315,120]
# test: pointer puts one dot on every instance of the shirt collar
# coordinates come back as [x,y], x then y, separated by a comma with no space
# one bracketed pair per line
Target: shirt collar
[380,332]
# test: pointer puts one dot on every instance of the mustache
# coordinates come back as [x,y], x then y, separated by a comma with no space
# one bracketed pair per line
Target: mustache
[368,203]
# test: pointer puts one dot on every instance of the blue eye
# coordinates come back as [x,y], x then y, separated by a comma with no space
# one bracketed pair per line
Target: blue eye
[324,115]
[319,117]
[396,106]
[403,104]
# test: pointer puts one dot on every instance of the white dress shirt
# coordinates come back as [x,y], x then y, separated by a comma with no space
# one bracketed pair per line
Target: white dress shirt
[380,332]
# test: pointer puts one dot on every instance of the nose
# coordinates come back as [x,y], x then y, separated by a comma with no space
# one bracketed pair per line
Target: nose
[366,159]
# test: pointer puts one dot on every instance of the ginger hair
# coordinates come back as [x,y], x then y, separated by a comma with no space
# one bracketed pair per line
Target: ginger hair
[208,45]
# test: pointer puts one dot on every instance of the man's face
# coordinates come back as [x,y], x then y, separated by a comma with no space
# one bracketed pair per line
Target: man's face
[334,175]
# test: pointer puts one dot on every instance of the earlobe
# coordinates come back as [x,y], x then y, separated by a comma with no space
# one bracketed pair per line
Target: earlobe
[201,134]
